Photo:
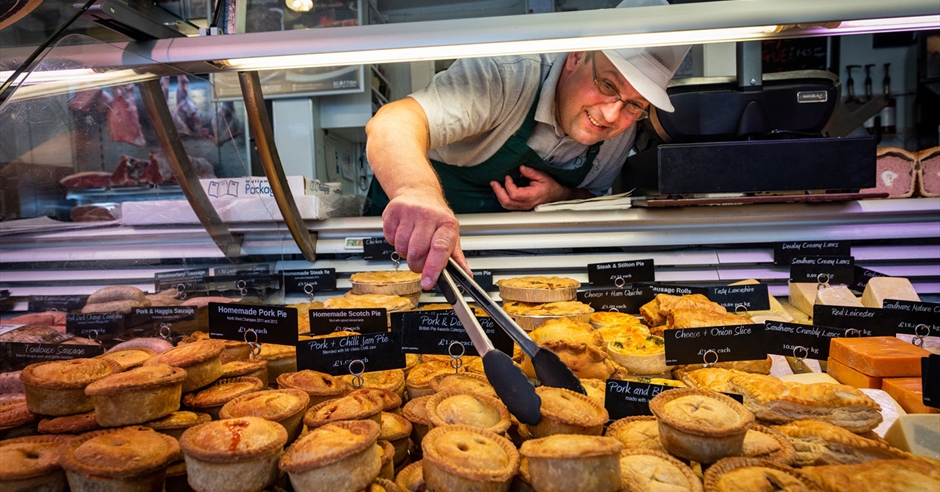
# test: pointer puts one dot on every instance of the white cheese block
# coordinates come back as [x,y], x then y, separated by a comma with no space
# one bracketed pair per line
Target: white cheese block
[809,378]
[803,296]
[880,288]
[837,295]
[917,434]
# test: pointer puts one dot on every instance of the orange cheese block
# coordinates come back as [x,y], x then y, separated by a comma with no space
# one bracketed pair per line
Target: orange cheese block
[846,375]
[886,357]
[909,393]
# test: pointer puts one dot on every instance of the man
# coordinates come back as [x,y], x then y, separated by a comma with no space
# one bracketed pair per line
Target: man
[507,133]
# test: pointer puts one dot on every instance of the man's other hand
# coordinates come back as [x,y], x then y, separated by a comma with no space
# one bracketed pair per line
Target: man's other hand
[542,188]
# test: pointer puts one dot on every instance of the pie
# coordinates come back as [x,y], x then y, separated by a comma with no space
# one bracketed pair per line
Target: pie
[466,382]
[32,463]
[318,385]
[387,456]
[362,406]
[411,478]
[176,423]
[210,400]
[759,366]
[281,359]
[138,395]
[567,412]
[250,368]
[201,359]
[753,474]
[657,311]
[530,316]
[612,319]
[461,458]
[129,358]
[391,402]
[906,475]
[392,380]
[58,387]
[388,282]
[381,484]
[15,417]
[339,457]
[416,411]
[69,424]
[396,430]
[635,433]
[538,289]
[452,408]
[238,454]
[596,390]
[577,344]
[700,425]
[770,444]
[418,382]
[284,406]
[234,350]
[113,459]
[640,354]
[303,314]
[389,302]
[819,443]
[573,463]
[643,470]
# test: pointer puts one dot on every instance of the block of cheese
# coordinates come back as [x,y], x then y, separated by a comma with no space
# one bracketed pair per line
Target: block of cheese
[803,296]
[809,378]
[909,393]
[886,357]
[846,375]
[880,288]
[775,307]
[916,434]
[895,173]
[797,315]
[837,295]
[928,172]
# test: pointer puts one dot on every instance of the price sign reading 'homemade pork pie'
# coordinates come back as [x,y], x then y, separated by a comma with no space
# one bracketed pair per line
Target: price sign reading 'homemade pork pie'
[714,344]
[270,324]
[339,356]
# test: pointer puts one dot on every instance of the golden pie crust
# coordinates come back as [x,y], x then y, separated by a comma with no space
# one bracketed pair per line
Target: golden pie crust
[396,430]
[411,478]
[58,387]
[530,316]
[284,406]
[565,462]
[234,350]
[318,385]
[700,425]
[382,484]
[281,359]
[389,302]
[176,423]
[418,382]
[611,319]
[769,444]
[32,463]
[416,411]
[129,358]
[210,399]
[233,454]
[391,380]
[201,360]
[906,475]
[391,402]
[14,414]
[339,456]
[466,382]
[567,412]
[453,408]
[640,432]
[251,368]
[644,470]
[538,289]
[577,344]
[387,456]
[362,406]
[819,443]
[138,395]
[463,458]
[596,390]
[69,424]
[387,282]
[112,458]
[754,474]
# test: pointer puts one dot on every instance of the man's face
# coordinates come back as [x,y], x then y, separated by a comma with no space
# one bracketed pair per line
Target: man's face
[583,111]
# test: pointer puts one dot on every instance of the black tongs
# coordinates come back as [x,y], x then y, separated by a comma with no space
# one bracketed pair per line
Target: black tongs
[511,385]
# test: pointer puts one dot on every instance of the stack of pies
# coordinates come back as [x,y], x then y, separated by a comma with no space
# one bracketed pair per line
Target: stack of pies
[58,387]
[211,399]
[404,283]
[283,406]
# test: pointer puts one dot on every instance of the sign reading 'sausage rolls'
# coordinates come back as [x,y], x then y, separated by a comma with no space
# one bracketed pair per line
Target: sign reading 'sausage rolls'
[253,323]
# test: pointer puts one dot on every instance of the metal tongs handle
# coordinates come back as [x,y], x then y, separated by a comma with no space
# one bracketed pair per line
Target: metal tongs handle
[549,368]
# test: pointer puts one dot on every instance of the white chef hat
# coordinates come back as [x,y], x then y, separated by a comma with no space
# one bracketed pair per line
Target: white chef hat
[649,69]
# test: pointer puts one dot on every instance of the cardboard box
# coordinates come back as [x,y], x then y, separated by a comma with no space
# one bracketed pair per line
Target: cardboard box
[250,186]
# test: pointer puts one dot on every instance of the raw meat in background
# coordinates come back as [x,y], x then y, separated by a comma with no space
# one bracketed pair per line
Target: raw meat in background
[204,169]
[91,102]
[225,124]
[87,179]
[186,115]
[123,119]
[129,171]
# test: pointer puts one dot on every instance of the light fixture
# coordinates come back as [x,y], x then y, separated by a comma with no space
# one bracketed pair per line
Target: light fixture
[36,84]
[299,5]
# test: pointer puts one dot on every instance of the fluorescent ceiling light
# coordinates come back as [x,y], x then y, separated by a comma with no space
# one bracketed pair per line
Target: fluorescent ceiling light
[67,81]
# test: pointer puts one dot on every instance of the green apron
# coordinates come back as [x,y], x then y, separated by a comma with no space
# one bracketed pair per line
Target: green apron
[467,189]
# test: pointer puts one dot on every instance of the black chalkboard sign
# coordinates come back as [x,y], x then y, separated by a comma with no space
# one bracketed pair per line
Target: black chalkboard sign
[785,55]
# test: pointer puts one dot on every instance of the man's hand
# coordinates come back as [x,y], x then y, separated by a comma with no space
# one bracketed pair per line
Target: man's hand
[424,230]
[542,189]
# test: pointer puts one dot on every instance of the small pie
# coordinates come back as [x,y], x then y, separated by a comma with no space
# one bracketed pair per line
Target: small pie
[388,282]
[251,368]
[362,406]
[461,458]
[418,382]
[392,380]
[201,360]
[339,457]
[176,423]
[382,484]
[114,459]
[234,350]
[465,382]
[281,359]
[452,408]
[210,400]
[239,454]
[303,314]
[387,456]
[58,387]
[477,310]
[770,444]
[284,406]
[577,344]
[32,463]
[15,417]
[644,469]
[820,443]
[538,289]
[700,425]
[522,482]
[318,385]
[129,358]
[530,316]
[389,302]
[416,411]
[138,395]
[635,433]
[639,355]
[906,475]
[391,402]
[396,430]
[567,412]
[411,478]
[69,424]
[753,474]
[575,463]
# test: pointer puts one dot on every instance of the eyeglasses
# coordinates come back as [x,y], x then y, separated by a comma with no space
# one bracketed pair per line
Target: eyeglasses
[609,90]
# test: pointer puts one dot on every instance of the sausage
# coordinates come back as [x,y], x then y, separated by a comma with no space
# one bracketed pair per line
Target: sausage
[158,345]
[204,301]
[116,293]
[10,383]
[41,319]
[114,306]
